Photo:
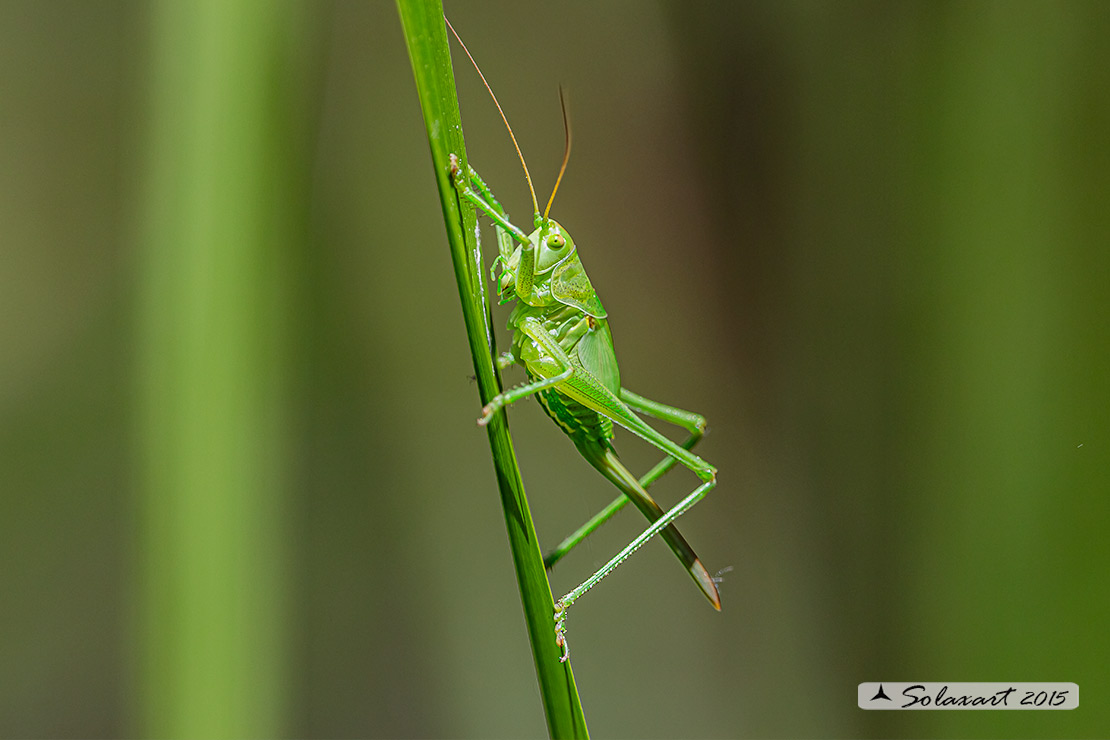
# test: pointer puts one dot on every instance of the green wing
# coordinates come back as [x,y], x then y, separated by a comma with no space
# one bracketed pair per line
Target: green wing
[571,287]
[595,352]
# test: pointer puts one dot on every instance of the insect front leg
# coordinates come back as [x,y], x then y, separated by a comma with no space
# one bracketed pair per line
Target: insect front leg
[504,237]
[688,420]
[480,185]
[492,209]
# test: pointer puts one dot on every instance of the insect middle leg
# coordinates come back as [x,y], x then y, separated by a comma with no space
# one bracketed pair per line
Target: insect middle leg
[688,420]
[515,394]
[549,361]
[552,367]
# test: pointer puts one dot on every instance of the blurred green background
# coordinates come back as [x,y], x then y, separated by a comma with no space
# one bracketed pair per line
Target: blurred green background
[241,489]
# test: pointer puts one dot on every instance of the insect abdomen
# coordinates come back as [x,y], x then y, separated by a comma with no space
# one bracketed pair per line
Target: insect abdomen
[579,422]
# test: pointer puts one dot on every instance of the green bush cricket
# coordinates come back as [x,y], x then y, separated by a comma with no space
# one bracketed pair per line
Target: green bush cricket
[562,339]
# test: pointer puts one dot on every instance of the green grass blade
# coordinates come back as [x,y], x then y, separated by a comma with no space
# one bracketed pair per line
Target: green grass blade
[425,34]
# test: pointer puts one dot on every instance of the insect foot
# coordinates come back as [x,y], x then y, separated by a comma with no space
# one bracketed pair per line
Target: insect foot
[561,630]
[487,414]
[496,404]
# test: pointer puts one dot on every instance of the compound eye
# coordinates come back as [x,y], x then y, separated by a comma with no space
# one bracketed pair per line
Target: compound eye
[556,241]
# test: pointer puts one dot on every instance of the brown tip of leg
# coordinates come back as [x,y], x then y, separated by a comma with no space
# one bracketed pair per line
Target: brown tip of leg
[706,584]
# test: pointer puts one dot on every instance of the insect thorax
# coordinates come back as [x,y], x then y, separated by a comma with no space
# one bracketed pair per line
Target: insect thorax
[568,326]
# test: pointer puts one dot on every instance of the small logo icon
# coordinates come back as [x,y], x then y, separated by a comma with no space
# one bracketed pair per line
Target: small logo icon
[881,695]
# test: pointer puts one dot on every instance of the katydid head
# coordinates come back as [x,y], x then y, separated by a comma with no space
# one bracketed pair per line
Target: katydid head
[552,246]
[557,275]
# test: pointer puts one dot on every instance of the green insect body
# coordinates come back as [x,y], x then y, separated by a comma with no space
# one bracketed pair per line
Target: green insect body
[562,339]
[565,306]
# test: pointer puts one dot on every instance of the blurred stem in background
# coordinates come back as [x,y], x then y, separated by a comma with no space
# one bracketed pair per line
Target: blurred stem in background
[220,219]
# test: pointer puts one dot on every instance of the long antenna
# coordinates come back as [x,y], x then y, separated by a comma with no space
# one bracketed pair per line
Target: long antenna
[535,205]
[566,152]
